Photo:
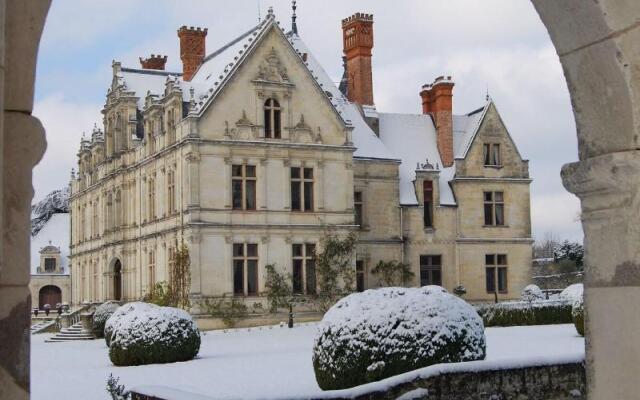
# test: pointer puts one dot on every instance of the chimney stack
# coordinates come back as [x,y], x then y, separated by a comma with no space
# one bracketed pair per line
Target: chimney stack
[437,100]
[192,49]
[357,35]
[154,62]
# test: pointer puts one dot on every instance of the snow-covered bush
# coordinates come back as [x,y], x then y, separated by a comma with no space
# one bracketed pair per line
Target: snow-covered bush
[383,332]
[517,313]
[531,293]
[572,293]
[577,312]
[101,315]
[154,335]
[119,313]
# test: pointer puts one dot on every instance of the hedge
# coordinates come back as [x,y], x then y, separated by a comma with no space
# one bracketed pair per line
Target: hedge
[546,312]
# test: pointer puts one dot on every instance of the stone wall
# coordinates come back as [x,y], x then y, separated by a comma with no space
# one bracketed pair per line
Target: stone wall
[553,382]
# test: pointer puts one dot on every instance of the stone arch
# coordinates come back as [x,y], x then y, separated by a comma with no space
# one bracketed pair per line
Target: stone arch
[597,45]
[115,281]
[49,294]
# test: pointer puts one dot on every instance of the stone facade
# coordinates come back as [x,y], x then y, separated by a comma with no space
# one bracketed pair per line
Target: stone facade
[162,171]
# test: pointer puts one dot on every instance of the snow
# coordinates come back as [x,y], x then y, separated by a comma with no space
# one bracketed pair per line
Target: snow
[266,363]
[572,293]
[142,81]
[532,293]
[147,323]
[411,322]
[55,202]
[54,232]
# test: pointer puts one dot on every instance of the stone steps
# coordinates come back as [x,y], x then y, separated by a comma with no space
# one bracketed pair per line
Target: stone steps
[74,332]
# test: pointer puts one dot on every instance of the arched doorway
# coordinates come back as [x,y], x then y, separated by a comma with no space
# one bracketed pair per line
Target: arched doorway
[117,280]
[49,294]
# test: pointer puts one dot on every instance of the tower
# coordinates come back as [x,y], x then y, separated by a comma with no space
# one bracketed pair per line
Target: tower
[357,35]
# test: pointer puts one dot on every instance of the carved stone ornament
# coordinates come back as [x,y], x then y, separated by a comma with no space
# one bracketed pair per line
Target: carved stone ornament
[272,69]
[245,129]
[302,133]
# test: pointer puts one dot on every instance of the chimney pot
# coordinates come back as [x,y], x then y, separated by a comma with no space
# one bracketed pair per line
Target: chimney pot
[357,35]
[437,100]
[192,49]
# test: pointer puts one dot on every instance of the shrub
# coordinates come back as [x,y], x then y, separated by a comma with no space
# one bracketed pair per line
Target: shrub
[532,293]
[229,309]
[393,273]
[154,335]
[545,312]
[101,315]
[572,293]
[577,313]
[383,332]
[119,313]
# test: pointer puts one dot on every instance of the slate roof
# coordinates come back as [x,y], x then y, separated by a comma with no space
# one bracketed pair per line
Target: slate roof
[404,138]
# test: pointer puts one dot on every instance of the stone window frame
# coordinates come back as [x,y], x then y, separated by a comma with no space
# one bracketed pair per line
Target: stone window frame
[498,263]
[492,155]
[306,259]
[248,182]
[428,195]
[151,269]
[171,192]
[492,203]
[55,264]
[359,207]
[245,256]
[272,118]
[302,180]
[429,267]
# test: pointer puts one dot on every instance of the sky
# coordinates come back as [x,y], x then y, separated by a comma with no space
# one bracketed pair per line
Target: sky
[499,46]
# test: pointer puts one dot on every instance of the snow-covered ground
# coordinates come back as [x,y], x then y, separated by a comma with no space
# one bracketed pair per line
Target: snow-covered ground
[268,362]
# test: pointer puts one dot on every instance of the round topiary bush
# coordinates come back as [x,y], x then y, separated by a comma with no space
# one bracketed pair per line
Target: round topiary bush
[119,313]
[154,335]
[101,315]
[383,332]
[577,312]
[572,292]
[532,293]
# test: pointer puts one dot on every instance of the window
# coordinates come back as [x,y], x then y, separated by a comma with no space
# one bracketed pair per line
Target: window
[94,225]
[301,189]
[496,272]
[272,119]
[358,207]
[94,290]
[152,269]
[427,190]
[171,127]
[491,154]
[430,270]
[151,199]
[49,264]
[245,269]
[494,208]
[243,187]
[360,275]
[304,268]
[171,191]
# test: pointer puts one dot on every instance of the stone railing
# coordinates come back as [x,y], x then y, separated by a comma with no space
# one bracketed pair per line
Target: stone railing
[543,379]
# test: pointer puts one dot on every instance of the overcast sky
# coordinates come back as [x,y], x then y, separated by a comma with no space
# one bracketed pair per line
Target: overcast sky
[499,45]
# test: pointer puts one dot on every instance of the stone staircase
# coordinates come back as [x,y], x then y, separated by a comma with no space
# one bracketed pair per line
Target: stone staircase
[74,332]
[42,326]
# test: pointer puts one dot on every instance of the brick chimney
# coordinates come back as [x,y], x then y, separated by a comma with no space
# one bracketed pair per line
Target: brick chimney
[437,100]
[357,35]
[154,62]
[192,49]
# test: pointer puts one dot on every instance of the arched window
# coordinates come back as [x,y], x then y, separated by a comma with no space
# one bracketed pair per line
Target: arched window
[272,119]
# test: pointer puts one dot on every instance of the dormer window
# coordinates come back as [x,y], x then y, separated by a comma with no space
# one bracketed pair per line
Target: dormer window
[272,125]
[492,154]
[49,264]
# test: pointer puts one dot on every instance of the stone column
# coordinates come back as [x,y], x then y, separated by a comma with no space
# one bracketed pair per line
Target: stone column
[22,145]
[609,189]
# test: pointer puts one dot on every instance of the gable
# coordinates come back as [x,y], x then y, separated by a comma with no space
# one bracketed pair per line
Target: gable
[492,130]
[271,69]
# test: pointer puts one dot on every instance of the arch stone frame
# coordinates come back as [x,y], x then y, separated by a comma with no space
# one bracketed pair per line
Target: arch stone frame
[597,45]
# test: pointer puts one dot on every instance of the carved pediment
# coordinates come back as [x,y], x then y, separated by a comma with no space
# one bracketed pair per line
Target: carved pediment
[272,69]
[244,129]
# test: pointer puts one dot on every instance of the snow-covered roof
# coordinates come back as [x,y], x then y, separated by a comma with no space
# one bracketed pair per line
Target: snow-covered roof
[55,232]
[405,138]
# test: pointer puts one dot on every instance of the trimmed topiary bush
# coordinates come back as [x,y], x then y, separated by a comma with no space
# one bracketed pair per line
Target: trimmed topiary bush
[544,312]
[101,315]
[119,313]
[532,293]
[577,312]
[572,292]
[383,332]
[154,335]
